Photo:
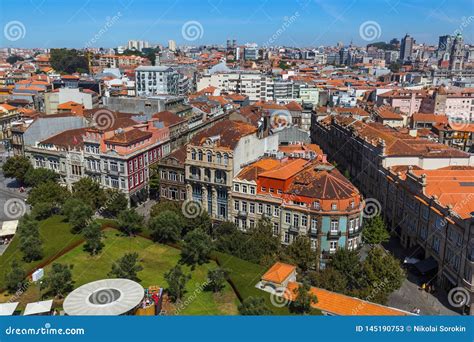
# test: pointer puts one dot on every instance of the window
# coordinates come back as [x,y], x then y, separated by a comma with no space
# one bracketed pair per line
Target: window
[296,220]
[252,223]
[236,187]
[276,228]
[244,189]
[268,210]
[334,206]
[304,221]
[260,208]
[226,159]
[279,192]
[193,154]
[288,218]
[264,189]
[219,158]
[200,155]
[334,225]
[435,244]
[272,190]
[314,223]
[209,157]
[287,237]
[351,225]
[276,211]
[244,206]
[237,205]
[252,190]
[316,205]
[332,246]
[252,208]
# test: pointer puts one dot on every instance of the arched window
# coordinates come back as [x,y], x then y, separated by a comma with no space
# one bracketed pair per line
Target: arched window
[193,154]
[200,155]
[226,159]
[219,158]
[209,156]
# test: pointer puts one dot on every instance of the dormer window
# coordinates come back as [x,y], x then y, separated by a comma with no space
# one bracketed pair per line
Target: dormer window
[334,206]
[317,205]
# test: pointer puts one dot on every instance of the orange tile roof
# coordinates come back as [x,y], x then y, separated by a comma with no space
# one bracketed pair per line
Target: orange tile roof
[288,170]
[339,304]
[279,272]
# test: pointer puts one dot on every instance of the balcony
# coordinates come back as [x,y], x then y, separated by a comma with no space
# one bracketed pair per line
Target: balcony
[242,213]
[353,232]
[327,254]
[294,229]
[334,234]
[313,232]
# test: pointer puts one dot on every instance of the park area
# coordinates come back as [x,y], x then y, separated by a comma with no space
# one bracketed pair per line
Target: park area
[156,259]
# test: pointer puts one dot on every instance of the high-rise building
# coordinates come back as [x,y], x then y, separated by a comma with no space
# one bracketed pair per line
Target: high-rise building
[445,45]
[406,48]
[172,45]
[457,53]
[138,45]
[156,80]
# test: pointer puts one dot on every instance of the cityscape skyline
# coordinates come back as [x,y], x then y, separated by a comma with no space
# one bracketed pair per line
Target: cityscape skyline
[215,21]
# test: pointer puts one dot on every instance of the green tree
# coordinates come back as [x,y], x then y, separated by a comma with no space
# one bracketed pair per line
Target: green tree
[58,281]
[34,177]
[14,58]
[48,192]
[177,281]
[116,202]
[166,227]
[197,248]
[216,279]
[299,252]
[68,61]
[127,267]
[80,216]
[15,278]
[383,273]
[253,306]
[93,235]
[303,300]
[30,241]
[162,206]
[130,222]
[224,228]
[43,210]
[154,184]
[89,191]
[203,222]
[329,279]
[69,205]
[16,167]
[347,263]
[374,231]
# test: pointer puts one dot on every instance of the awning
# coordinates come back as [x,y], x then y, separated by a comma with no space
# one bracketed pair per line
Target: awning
[38,307]
[7,309]
[8,228]
[424,266]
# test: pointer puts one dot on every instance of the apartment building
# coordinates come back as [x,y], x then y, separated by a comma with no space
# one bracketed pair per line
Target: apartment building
[300,197]
[156,80]
[118,158]
[172,176]
[255,85]
[214,156]
[424,190]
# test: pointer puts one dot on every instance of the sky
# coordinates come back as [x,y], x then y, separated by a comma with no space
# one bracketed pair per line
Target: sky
[298,23]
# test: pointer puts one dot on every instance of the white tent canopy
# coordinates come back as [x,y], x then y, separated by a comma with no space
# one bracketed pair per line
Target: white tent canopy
[107,297]
[38,307]
[7,309]
[8,228]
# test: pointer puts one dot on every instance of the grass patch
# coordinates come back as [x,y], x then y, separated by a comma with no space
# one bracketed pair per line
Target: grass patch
[56,235]
[156,260]
[244,275]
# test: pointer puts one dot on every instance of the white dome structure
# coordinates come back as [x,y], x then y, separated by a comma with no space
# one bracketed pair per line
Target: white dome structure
[107,297]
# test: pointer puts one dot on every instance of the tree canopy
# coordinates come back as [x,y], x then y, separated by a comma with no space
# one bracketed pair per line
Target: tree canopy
[58,280]
[17,167]
[127,267]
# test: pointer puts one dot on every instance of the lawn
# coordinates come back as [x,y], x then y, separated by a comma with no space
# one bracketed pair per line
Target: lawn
[156,260]
[244,276]
[56,236]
